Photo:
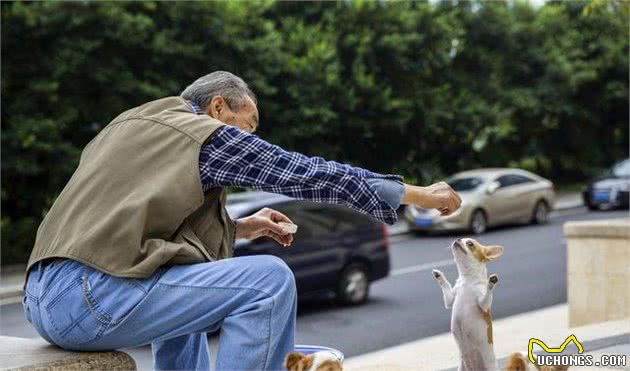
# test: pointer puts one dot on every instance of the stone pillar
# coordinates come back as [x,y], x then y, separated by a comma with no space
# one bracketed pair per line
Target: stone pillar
[598,267]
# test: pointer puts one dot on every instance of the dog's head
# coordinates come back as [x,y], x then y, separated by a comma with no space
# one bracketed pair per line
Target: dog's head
[469,254]
[319,361]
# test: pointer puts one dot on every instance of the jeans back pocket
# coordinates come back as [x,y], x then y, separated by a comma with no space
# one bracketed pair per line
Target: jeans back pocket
[70,318]
[81,304]
[112,298]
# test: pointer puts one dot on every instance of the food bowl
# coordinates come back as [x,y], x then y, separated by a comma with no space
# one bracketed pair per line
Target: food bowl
[310,349]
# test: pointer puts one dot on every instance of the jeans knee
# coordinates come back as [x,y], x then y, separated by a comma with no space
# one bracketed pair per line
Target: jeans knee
[283,280]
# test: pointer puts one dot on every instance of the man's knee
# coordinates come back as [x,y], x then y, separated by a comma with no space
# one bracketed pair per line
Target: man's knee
[279,273]
[277,266]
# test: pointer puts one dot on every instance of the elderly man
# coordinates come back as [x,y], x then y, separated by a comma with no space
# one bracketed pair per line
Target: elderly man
[134,249]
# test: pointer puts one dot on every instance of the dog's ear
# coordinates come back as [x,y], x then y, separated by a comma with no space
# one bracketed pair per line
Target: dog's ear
[493,252]
[292,361]
[516,362]
[308,362]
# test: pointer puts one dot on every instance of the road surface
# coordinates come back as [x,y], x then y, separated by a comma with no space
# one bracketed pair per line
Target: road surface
[408,305]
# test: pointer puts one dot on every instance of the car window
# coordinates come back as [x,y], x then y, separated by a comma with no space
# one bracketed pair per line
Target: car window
[341,217]
[465,184]
[310,224]
[504,181]
[512,179]
[520,179]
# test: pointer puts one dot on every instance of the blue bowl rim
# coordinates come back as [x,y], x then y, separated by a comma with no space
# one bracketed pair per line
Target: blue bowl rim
[318,348]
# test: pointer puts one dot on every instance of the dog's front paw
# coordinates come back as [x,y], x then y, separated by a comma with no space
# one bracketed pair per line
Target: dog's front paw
[493,279]
[438,275]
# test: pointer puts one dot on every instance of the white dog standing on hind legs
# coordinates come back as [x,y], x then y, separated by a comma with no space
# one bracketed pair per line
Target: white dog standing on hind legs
[471,298]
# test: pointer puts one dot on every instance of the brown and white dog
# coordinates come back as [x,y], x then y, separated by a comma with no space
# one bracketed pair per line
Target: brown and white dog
[318,361]
[471,298]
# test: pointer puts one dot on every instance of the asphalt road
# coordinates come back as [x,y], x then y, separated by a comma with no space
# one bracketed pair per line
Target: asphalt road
[408,305]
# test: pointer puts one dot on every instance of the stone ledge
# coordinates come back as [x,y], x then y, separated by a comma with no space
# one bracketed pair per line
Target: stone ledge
[611,228]
[37,354]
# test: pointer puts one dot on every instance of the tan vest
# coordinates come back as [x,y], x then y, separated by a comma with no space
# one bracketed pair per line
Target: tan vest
[135,202]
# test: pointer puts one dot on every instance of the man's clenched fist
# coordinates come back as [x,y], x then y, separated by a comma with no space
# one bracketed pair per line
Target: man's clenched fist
[436,196]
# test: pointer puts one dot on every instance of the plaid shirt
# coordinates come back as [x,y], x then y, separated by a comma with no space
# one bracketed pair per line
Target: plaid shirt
[233,157]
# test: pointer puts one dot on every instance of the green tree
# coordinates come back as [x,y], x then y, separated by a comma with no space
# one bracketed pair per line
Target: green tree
[422,89]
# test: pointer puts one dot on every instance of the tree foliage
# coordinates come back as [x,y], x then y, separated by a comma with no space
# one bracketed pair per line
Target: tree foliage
[416,88]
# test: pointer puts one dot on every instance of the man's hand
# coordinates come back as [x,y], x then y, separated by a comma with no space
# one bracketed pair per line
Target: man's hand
[436,196]
[264,223]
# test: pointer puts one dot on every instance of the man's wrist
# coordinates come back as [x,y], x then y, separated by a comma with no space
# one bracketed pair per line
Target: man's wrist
[235,222]
[414,195]
[240,230]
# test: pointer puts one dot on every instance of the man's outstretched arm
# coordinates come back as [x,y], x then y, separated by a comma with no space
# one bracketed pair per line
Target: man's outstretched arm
[233,157]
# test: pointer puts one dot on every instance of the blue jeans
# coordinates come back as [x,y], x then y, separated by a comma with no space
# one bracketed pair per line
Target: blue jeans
[252,300]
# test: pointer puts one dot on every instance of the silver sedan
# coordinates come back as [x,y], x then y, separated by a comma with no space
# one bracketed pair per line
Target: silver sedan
[490,197]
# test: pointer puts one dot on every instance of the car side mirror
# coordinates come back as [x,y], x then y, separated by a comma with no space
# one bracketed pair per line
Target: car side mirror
[492,187]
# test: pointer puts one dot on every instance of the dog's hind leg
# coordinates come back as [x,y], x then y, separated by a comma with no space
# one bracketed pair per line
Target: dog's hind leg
[485,300]
[447,289]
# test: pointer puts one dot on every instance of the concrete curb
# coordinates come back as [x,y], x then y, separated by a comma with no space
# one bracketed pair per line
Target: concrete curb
[511,333]
[12,292]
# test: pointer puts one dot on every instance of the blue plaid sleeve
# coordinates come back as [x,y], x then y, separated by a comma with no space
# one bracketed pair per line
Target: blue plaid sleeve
[232,157]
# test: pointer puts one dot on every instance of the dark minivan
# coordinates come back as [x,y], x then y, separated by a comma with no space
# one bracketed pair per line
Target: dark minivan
[335,249]
[611,189]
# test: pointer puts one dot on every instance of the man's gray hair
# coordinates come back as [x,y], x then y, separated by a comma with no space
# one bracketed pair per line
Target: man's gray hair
[225,84]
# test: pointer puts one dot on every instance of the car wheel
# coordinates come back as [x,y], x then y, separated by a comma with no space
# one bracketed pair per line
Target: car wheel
[478,222]
[541,213]
[354,285]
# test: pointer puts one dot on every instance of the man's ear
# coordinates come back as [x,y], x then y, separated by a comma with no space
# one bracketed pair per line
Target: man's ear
[216,106]
[292,361]
[493,252]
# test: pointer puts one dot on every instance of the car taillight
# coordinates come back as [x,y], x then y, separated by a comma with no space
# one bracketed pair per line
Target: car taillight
[385,235]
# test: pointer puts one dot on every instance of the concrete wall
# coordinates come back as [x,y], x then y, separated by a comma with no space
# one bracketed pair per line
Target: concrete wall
[598,266]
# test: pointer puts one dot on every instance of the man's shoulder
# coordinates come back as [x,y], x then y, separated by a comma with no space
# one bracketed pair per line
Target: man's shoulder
[174,113]
[154,108]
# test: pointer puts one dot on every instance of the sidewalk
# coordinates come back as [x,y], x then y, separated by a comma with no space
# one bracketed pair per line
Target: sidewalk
[511,334]
[570,200]
[11,277]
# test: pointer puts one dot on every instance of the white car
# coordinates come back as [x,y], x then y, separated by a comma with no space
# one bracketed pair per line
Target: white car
[490,197]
